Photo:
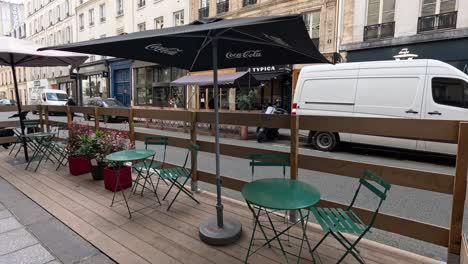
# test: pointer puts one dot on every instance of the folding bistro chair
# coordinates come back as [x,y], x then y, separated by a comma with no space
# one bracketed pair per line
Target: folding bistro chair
[31,126]
[269,160]
[150,164]
[174,174]
[336,221]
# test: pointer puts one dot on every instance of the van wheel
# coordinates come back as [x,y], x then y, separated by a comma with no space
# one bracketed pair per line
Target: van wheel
[325,141]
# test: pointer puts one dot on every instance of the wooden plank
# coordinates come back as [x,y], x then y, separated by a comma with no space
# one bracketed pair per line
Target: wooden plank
[57,108]
[5,140]
[424,180]
[30,108]
[4,124]
[84,110]
[459,191]
[294,156]
[245,119]
[438,130]
[163,114]
[464,251]
[194,158]
[10,108]
[114,111]
[69,115]
[131,125]
[173,141]
[41,118]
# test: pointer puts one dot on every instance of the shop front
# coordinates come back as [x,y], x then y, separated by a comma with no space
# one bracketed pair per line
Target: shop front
[94,80]
[121,80]
[275,85]
[152,85]
[67,85]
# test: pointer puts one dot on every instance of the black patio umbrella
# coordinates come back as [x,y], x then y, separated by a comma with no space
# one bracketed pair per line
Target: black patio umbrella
[23,53]
[212,44]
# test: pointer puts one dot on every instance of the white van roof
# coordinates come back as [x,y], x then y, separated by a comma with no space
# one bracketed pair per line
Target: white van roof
[383,64]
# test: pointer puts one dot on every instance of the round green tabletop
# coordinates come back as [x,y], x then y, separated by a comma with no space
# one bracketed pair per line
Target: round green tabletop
[280,194]
[130,155]
[39,134]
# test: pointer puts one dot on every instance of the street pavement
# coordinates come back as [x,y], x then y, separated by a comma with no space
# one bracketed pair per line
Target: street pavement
[425,206]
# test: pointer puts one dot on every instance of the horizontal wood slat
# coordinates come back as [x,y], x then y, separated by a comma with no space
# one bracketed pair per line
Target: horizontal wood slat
[83,110]
[4,140]
[246,119]
[405,128]
[114,111]
[12,123]
[425,180]
[172,141]
[57,108]
[426,232]
[162,114]
[10,108]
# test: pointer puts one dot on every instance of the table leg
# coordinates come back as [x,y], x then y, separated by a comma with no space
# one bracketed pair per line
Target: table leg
[304,222]
[277,236]
[117,184]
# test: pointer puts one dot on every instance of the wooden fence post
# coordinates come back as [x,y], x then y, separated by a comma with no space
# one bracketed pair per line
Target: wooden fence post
[69,117]
[459,191]
[194,159]
[41,119]
[96,118]
[294,158]
[131,126]
[46,118]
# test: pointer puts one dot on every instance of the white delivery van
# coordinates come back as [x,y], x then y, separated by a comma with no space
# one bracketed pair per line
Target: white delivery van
[419,89]
[41,94]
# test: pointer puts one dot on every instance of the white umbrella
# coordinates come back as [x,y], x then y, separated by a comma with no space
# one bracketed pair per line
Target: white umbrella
[22,53]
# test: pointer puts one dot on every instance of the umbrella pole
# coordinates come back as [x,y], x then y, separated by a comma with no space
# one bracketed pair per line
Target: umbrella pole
[18,103]
[218,230]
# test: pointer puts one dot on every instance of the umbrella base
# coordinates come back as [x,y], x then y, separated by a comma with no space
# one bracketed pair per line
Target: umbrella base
[211,234]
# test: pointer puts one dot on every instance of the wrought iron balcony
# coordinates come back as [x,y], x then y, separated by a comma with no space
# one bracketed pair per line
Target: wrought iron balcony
[439,21]
[222,7]
[384,30]
[248,2]
[203,12]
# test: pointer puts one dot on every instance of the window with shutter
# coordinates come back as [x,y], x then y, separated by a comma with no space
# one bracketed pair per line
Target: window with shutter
[447,6]
[388,11]
[428,7]
[373,10]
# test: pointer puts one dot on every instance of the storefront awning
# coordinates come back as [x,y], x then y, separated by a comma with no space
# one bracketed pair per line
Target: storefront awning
[236,79]
[267,76]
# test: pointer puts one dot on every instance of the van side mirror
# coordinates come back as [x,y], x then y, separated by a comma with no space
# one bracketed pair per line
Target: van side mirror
[43,97]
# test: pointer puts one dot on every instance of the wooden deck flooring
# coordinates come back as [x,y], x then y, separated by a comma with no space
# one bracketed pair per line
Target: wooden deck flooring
[154,235]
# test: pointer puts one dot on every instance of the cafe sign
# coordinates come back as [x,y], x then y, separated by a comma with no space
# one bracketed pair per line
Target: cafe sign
[267,69]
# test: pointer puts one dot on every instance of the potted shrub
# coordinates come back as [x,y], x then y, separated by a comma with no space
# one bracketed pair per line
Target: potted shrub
[77,162]
[113,140]
[246,102]
[91,148]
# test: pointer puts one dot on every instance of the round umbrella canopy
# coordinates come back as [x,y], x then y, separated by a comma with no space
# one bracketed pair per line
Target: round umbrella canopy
[212,44]
[22,53]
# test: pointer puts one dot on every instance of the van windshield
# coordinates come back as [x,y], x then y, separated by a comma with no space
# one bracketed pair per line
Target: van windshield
[57,97]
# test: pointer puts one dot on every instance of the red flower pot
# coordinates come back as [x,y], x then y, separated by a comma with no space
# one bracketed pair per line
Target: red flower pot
[79,165]
[110,178]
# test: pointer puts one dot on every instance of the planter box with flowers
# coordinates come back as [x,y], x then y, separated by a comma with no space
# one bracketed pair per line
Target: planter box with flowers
[78,163]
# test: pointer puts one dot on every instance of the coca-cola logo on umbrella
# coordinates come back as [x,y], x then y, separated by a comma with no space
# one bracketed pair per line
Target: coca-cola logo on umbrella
[244,55]
[164,50]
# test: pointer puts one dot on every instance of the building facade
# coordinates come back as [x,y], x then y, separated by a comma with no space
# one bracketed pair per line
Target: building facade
[320,18]
[432,29]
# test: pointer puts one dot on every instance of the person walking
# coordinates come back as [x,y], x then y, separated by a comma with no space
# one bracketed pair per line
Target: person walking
[71,102]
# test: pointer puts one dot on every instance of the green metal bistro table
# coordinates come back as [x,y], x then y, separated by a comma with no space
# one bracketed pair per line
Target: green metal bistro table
[279,194]
[131,155]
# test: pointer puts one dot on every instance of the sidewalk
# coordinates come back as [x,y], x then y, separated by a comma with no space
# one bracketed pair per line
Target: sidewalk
[30,235]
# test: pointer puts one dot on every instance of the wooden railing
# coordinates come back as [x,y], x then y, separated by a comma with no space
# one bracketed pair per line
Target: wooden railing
[432,130]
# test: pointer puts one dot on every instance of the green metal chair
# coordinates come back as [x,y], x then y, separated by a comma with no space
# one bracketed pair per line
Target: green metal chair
[174,174]
[30,126]
[158,141]
[336,221]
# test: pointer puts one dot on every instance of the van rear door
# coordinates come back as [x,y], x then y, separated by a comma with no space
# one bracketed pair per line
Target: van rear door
[446,99]
[389,93]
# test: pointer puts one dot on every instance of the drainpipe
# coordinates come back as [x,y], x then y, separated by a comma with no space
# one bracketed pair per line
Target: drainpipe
[339,25]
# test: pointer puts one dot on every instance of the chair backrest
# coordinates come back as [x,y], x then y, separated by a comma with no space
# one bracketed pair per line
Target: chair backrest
[31,125]
[269,160]
[157,141]
[378,186]
[192,150]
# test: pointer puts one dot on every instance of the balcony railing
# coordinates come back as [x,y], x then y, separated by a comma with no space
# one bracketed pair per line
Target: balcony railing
[248,2]
[384,30]
[436,22]
[222,7]
[203,12]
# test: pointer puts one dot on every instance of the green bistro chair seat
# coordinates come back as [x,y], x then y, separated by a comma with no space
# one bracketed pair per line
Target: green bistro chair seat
[336,221]
[148,164]
[173,175]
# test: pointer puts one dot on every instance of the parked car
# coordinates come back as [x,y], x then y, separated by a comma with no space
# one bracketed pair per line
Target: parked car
[7,102]
[418,89]
[107,103]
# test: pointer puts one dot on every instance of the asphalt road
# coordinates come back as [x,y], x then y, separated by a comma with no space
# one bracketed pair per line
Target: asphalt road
[425,206]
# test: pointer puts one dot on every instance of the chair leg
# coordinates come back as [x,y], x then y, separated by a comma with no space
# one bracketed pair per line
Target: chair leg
[349,249]
[321,240]
[170,188]
[181,189]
